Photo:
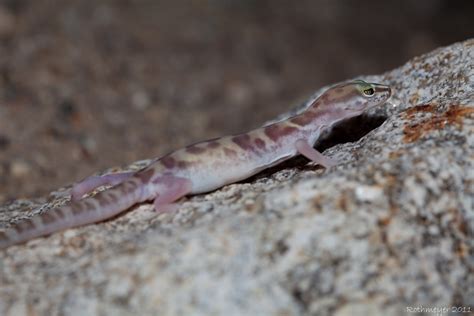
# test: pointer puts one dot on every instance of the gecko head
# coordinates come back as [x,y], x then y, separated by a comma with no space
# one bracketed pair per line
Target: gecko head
[365,95]
[352,98]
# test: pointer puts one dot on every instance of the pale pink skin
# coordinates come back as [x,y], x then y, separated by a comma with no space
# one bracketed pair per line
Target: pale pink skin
[205,166]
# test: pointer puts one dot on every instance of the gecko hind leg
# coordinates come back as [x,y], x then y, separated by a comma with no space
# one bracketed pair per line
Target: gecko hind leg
[312,154]
[93,182]
[170,189]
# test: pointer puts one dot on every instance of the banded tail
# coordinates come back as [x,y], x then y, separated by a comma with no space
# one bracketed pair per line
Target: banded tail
[103,205]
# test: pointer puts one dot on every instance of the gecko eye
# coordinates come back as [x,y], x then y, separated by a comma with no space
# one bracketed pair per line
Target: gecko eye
[365,88]
[368,92]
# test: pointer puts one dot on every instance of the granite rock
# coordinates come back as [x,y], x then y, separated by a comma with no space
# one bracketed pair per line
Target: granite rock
[389,229]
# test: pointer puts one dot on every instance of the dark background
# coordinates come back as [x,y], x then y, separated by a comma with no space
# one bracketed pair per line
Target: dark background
[86,85]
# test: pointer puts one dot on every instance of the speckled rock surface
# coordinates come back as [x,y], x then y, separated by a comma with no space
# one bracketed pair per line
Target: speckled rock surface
[391,227]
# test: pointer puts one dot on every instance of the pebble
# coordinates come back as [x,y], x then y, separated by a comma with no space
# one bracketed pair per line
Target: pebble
[20,169]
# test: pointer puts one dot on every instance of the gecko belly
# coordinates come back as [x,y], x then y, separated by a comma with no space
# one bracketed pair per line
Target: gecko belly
[211,177]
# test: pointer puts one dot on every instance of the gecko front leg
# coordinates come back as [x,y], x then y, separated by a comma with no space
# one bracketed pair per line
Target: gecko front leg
[312,154]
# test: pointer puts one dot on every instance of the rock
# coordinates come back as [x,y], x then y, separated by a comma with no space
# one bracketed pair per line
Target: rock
[389,229]
[20,169]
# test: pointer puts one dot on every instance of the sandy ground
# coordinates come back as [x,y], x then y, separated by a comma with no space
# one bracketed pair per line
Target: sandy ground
[87,85]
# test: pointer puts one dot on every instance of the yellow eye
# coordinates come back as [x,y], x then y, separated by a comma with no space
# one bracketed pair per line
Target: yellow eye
[369,92]
[365,88]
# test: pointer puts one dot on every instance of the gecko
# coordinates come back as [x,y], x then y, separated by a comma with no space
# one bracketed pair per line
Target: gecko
[205,166]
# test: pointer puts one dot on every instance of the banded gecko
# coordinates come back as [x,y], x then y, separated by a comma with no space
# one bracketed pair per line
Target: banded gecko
[205,166]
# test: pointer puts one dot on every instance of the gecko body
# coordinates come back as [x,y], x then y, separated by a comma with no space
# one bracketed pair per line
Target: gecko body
[205,166]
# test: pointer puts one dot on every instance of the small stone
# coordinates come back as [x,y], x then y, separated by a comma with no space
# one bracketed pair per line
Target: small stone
[20,169]
[140,100]
[365,193]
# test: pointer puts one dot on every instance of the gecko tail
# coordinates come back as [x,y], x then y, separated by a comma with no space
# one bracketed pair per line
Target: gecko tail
[100,207]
